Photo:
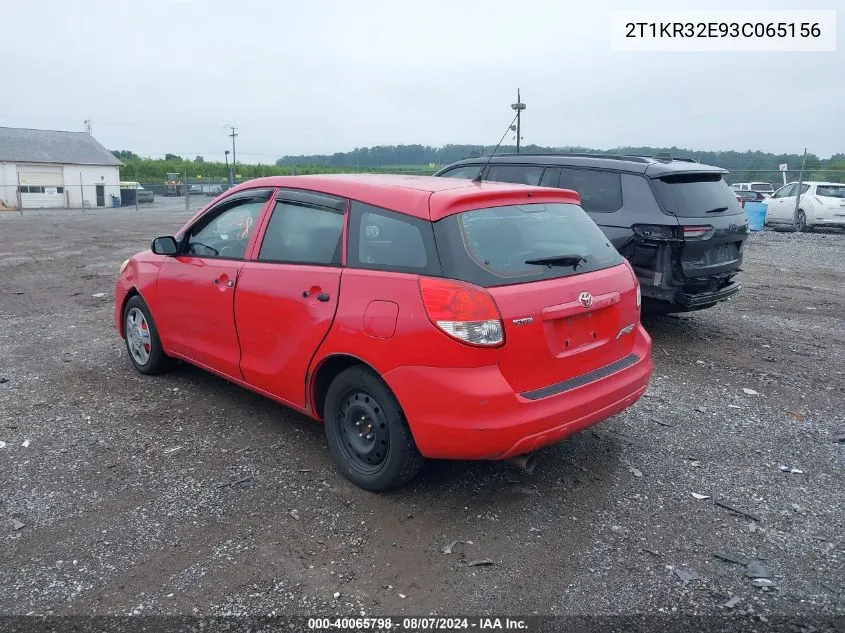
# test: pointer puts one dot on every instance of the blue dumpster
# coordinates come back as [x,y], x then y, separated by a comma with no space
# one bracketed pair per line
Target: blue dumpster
[115,200]
[756,213]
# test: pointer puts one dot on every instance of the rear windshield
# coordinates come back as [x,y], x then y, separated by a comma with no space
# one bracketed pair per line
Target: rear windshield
[490,247]
[696,195]
[761,186]
[831,191]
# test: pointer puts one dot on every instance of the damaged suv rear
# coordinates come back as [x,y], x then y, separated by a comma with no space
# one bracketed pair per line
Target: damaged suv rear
[676,221]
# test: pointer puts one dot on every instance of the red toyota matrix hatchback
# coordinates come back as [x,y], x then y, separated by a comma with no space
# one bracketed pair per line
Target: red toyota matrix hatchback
[417,317]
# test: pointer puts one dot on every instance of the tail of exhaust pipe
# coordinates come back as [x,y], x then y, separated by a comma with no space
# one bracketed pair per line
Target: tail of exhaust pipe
[525,462]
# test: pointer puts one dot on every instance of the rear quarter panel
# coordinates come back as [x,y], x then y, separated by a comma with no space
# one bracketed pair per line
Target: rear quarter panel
[415,340]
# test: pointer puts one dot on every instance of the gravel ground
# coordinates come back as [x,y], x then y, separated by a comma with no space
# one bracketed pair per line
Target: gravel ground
[184,494]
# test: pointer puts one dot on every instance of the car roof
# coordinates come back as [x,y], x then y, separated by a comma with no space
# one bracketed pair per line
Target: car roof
[425,197]
[654,167]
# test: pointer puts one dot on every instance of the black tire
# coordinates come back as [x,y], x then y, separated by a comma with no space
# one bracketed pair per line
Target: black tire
[802,222]
[157,362]
[367,433]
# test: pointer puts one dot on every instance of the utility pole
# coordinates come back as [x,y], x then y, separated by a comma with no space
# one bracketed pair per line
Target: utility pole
[234,155]
[229,169]
[519,107]
[798,192]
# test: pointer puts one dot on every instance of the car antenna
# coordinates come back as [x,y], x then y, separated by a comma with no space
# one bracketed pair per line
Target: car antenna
[481,171]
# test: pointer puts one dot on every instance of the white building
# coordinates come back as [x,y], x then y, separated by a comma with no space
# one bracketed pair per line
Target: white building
[42,169]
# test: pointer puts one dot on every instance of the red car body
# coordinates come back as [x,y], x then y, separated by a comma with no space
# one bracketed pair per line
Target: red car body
[285,330]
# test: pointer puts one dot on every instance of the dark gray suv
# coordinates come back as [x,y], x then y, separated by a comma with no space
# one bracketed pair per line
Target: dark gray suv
[675,220]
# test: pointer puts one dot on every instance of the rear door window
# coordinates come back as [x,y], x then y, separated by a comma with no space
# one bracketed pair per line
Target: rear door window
[696,195]
[491,246]
[302,234]
[601,191]
[517,174]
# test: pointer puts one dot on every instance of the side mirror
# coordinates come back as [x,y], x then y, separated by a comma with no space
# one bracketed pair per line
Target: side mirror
[164,245]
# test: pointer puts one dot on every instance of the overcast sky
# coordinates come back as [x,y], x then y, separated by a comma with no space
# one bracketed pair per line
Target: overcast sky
[320,76]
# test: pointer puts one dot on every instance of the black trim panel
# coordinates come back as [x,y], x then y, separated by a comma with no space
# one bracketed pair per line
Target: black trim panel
[312,198]
[583,379]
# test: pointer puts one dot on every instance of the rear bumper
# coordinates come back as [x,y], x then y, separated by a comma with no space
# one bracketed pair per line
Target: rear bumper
[473,413]
[690,299]
[706,298]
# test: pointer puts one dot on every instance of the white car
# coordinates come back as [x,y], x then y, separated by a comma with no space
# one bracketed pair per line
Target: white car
[764,188]
[821,204]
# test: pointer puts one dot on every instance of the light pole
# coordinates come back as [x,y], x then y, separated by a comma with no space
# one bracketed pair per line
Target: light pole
[234,155]
[228,169]
[519,107]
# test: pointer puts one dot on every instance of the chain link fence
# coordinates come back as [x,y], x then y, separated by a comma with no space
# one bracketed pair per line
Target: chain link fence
[193,192]
[778,178]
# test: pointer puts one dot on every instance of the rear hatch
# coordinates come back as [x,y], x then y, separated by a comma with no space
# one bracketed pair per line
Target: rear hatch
[832,196]
[572,310]
[712,224]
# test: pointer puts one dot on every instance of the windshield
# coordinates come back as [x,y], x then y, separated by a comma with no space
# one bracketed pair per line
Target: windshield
[831,191]
[762,186]
[696,195]
[492,246]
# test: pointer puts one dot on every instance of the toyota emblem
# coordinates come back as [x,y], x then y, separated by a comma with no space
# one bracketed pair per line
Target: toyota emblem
[586,299]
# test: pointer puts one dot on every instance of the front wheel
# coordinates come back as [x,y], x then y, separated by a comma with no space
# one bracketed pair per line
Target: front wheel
[142,341]
[802,221]
[367,433]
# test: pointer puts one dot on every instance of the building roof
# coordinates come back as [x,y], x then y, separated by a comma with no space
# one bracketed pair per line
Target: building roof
[424,197]
[654,167]
[23,145]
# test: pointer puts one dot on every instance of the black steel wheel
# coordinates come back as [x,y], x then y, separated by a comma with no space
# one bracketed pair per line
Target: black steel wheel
[367,433]
[365,439]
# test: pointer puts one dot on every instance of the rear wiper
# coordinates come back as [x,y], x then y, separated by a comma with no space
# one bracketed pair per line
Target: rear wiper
[717,210]
[558,260]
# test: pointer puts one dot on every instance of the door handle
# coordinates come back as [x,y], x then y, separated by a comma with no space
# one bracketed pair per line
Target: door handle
[323,296]
[229,284]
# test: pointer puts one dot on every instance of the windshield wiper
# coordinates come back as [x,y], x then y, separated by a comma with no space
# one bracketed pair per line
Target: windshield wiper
[717,210]
[558,260]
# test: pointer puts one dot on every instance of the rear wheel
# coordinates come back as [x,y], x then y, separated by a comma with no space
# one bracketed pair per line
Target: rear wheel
[142,341]
[367,433]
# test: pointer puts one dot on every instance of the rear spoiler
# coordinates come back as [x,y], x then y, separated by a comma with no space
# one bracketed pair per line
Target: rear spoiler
[450,201]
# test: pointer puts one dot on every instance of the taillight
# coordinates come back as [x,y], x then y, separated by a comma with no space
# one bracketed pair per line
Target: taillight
[693,232]
[463,311]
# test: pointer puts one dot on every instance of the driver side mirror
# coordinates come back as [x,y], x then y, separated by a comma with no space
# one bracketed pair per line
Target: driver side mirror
[164,245]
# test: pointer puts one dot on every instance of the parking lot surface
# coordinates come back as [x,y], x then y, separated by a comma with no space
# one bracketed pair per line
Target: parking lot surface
[185,494]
